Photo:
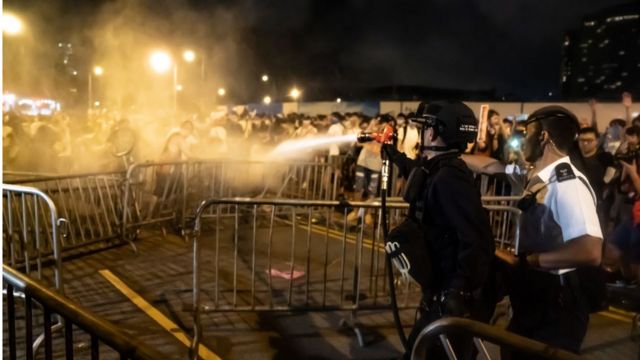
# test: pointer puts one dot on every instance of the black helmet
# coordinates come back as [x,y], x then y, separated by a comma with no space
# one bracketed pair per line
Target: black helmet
[553,111]
[453,121]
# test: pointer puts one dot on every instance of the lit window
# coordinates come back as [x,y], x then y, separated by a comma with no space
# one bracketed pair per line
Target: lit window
[623,18]
[581,79]
[621,52]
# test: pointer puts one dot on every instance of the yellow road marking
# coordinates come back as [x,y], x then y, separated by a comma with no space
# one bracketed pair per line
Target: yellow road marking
[156,315]
[614,316]
[351,239]
[621,312]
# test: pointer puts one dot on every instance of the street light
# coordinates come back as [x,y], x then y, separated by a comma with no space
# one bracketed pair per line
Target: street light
[160,61]
[97,71]
[267,100]
[265,78]
[338,100]
[188,55]
[11,24]
[294,93]
[221,91]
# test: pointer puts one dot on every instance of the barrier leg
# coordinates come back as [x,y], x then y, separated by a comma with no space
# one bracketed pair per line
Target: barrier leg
[352,323]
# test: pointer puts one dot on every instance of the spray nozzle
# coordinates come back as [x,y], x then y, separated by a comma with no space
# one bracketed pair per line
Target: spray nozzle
[385,136]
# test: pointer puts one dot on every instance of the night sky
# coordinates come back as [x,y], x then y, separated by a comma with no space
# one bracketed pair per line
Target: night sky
[512,46]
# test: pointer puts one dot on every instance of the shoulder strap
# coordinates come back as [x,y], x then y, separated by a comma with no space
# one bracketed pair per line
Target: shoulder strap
[564,171]
[586,183]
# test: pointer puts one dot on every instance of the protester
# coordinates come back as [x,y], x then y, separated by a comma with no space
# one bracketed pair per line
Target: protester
[595,163]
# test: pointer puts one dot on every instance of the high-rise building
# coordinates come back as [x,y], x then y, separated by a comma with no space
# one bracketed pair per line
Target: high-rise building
[601,59]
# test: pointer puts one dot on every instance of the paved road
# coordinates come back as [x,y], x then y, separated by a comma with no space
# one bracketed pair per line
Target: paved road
[161,275]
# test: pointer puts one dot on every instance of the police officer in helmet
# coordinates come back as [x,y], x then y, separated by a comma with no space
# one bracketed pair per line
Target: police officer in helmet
[452,223]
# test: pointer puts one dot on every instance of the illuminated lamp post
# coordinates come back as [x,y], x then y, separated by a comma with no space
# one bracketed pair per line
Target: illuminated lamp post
[295,95]
[11,24]
[160,62]
[96,71]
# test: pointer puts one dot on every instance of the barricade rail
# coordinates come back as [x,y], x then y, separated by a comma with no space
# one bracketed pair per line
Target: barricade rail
[31,232]
[441,330]
[283,255]
[161,192]
[58,307]
[13,176]
[504,224]
[91,202]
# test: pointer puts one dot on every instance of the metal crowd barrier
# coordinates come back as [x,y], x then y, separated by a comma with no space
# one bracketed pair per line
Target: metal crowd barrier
[443,329]
[11,176]
[32,232]
[283,255]
[67,314]
[493,184]
[92,204]
[161,192]
[504,224]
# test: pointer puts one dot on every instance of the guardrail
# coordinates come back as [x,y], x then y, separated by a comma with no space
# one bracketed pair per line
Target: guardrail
[32,231]
[91,202]
[70,314]
[442,329]
[502,222]
[332,256]
[164,192]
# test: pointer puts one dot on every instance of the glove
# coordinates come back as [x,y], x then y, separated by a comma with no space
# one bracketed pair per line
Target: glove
[385,136]
[455,303]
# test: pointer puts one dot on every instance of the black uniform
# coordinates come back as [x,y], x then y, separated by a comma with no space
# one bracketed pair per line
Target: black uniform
[457,235]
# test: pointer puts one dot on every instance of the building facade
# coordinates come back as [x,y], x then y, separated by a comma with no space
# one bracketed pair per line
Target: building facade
[601,59]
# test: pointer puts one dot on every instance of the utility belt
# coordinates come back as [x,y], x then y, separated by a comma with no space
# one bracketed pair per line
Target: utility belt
[439,303]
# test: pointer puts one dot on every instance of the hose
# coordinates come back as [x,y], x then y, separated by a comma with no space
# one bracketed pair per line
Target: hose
[385,233]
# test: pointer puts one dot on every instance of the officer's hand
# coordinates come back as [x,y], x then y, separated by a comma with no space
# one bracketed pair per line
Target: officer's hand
[456,303]
[507,257]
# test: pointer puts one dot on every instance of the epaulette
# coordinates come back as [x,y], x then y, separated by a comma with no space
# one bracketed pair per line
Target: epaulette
[564,172]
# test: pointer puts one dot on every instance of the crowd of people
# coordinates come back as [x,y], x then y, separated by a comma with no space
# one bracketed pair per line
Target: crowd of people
[107,141]
[584,187]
